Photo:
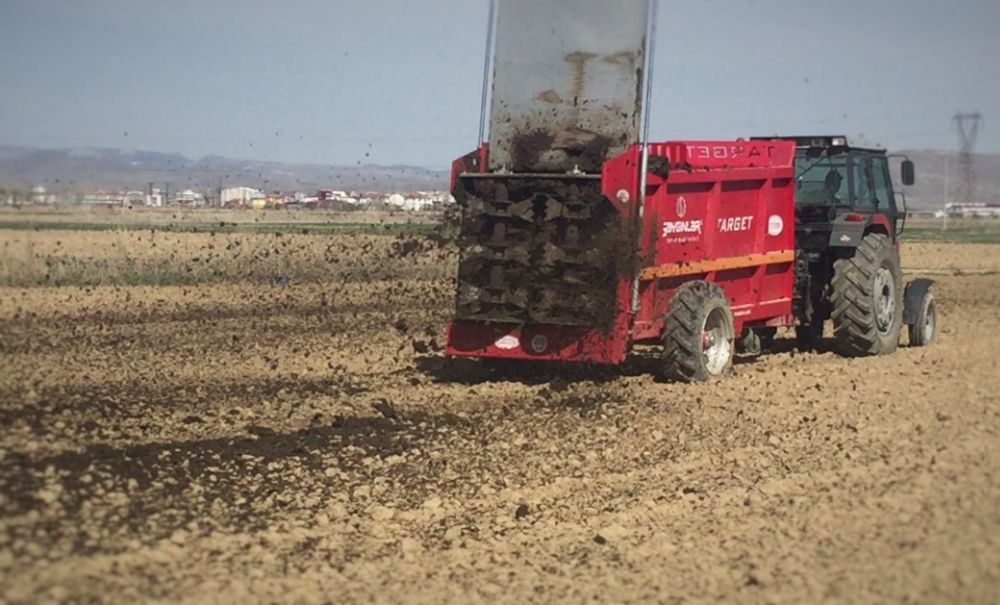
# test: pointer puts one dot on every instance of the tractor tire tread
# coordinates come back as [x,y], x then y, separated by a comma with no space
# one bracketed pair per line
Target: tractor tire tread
[852,299]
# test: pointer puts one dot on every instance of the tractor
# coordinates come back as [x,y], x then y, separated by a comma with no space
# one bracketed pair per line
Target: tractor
[847,266]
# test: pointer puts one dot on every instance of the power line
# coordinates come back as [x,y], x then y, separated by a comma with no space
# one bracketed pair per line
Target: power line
[967,125]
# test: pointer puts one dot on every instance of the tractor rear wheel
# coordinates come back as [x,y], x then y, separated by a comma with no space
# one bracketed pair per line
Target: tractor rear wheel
[699,338]
[867,299]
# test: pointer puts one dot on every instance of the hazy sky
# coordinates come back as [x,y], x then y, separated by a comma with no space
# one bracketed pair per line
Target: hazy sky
[328,81]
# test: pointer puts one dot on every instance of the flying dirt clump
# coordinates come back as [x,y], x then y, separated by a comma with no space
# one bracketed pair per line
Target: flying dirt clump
[440,239]
[405,246]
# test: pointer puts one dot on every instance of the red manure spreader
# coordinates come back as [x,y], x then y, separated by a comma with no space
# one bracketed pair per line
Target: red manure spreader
[579,241]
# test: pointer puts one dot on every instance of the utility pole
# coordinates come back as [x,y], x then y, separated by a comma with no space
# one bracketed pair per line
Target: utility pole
[944,226]
[967,125]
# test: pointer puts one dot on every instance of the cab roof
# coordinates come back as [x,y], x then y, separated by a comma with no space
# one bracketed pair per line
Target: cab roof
[838,142]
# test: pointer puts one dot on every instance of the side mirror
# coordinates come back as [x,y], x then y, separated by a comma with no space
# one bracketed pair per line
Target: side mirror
[909,176]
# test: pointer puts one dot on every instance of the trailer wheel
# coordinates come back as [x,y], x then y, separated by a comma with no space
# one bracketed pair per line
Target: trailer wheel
[867,299]
[924,329]
[699,336]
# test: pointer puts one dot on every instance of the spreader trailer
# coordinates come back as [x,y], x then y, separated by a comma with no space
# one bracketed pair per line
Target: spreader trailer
[580,239]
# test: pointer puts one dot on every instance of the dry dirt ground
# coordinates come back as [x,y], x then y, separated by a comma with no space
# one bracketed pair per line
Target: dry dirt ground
[308,444]
[73,258]
[180,217]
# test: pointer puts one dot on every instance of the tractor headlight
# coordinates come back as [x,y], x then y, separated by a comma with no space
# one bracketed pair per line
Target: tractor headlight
[839,142]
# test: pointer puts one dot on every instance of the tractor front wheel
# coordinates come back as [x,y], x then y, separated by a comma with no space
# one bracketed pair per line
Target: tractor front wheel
[924,329]
[699,338]
[867,299]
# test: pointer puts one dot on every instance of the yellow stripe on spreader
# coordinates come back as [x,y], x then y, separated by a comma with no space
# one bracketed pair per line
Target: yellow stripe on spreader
[722,264]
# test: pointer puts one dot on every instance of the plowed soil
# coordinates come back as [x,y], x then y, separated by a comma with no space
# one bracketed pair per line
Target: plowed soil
[308,443]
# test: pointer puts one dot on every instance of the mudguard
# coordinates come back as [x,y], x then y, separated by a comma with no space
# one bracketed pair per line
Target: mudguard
[847,235]
[913,298]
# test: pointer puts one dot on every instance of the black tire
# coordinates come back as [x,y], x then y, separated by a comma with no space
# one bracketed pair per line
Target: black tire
[693,309]
[863,328]
[756,341]
[924,328]
[749,343]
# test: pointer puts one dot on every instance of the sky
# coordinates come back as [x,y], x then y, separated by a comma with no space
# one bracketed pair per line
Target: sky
[400,82]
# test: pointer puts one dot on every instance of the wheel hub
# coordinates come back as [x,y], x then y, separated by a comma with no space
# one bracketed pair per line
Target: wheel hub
[929,322]
[715,344]
[885,299]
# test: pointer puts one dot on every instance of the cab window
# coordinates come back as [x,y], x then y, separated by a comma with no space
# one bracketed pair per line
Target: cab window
[861,182]
[821,181]
[870,184]
[883,184]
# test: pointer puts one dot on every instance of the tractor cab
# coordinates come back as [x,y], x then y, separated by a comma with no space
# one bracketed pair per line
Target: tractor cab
[843,192]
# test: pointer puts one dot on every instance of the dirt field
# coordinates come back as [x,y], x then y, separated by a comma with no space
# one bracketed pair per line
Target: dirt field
[255,442]
[81,258]
[142,216]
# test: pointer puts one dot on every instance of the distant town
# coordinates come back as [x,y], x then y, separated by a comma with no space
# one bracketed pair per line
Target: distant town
[230,197]
[324,199]
[89,177]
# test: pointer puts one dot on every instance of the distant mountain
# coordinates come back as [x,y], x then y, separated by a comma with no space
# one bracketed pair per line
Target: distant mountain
[8,152]
[134,169]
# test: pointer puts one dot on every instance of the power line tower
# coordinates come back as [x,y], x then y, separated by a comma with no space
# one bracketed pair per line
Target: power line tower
[967,125]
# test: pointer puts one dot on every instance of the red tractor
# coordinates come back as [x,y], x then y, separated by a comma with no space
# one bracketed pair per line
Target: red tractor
[578,242]
[847,228]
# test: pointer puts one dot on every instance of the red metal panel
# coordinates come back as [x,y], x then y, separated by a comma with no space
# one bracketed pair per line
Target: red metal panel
[881,220]
[720,214]
[472,163]
[727,154]
[543,343]
[721,200]
[620,180]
